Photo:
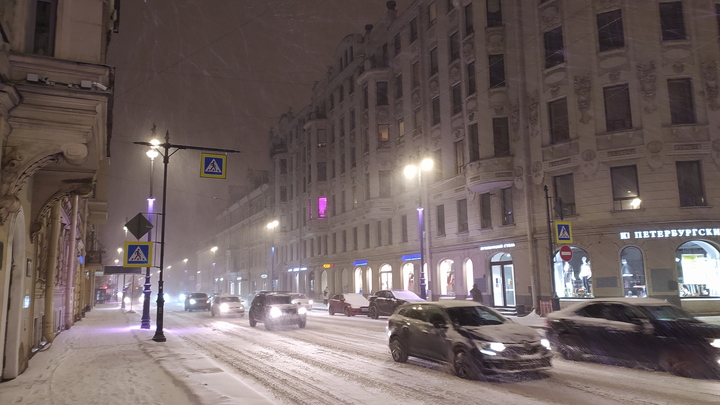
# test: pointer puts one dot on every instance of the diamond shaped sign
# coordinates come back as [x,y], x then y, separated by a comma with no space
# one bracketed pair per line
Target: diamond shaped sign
[139,226]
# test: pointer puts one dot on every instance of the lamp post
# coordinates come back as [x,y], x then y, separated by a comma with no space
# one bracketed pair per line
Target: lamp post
[152,153]
[412,171]
[272,225]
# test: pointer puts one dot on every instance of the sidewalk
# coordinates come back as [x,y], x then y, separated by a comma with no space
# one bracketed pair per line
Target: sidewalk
[107,359]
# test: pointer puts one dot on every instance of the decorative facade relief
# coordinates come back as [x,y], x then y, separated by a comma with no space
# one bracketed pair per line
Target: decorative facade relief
[582,86]
[606,5]
[515,120]
[647,76]
[614,76]
[455,73]
[710,81]
[434,87]
[495,40]
[589,162]
[533,104]
[519,179]
[550,17]
[715,145]
[537,172]
[655,158]
[468,50]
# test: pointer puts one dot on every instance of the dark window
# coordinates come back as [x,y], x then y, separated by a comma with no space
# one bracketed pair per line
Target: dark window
[367,236]
[671,21]
[342,163]
[283,166]
[379,233]
[398,87]
[462,215]
[471,86]
[474,143]
[507,204]
[382,93]
[404,225]
[682,109]
[457,99]
[469,28]
[717,17]
[485,212]
[341,94]
[610,30]
[390,231]
[433,61]
[283,194]
[501,136]
[617,108]
[44,32]
[332,169]
[416,74]
[432,14]
[554,52]
[334,243]
[690,184]
[353,159]
[436,110]
[450,5]
[365,97]
[355,238]
[454,46]
[322,171]
[459,157]
[559,124]
[564,195]
[413,30]
[344,240]
[497,70]
[398,45]
[494,13]
[351,85]
[626,194]
[440,219]
[385,181]
[352,119]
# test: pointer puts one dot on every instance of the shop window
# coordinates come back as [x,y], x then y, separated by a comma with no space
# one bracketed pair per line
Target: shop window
[671,21]
[447,277]
[408,276]
[564,195]
[618,116]
[682,107]
[496,67]
[501,137]
[573,278]
[626,193]
[690,184]
[632,269]
[469,276]
[554,50]
[698,263]
[610,30]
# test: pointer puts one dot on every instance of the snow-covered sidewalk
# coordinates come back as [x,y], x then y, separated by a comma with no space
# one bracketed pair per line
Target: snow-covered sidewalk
[107,359]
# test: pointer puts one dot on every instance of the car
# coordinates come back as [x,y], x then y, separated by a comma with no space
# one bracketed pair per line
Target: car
[273,309]
[637,331]
[384,302]
[196,300]
[473,339]
[301,300]
[350,304]
[226,304]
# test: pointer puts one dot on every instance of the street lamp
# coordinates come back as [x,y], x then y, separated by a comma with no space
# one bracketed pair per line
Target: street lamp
[271,226]
[412,171]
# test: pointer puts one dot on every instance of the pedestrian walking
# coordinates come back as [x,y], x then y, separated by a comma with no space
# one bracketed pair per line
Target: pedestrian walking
[476,294]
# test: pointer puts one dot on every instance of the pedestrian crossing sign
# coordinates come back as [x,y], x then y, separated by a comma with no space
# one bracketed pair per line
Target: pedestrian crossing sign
[563,232]
[137,254]
[213,166]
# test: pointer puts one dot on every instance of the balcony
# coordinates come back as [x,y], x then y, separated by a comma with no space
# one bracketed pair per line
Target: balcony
[488,174]
[378,208]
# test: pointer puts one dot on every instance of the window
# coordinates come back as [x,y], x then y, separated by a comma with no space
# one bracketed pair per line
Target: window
[353,159]
[469,29]
[437,165]
[383,136]
[554,53]
[355,238]
[366,140]
[459,157]
[401,128]
[413,30]
[352,119]
[454,46]
[379,233]
[385,55]
[632,269]
[332,169]
[617,108]
[322,207]
[283,194]
[690,184]
[382,93]
[610,30]
[365,97]
[322,171]
[462,215]
[390,231]
[440,215]
[283,166]
[436,110]
[450,5]
[332,101]
[342,163]
[341,94]
[398,45]
[559,124]
[432,14]
[416,74]
[334,243]
[717,17]
[501,136]
[385,181]
[496,68]
[333,205]
[671,21]
[457,99]
[351,85]
[344,240]
[342,128]
[471,86]
[507,204]
[474,140]
[367,186]
[404,228]
[321,138]
[626,195]
[398,87]
[485,212]
[564,195]
[433,61]
[417,122]
[494,13]
[367,236]
[44,30]
[682,109]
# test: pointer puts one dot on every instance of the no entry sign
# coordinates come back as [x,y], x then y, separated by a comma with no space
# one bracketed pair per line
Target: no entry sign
[565,253]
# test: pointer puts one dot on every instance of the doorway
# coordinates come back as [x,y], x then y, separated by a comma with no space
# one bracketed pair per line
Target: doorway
[503,280]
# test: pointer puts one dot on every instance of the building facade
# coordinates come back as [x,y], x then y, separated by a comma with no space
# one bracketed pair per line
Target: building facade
[55,106]
[589,124]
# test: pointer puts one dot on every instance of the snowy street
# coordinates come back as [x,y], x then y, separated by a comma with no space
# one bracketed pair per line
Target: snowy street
[334,360]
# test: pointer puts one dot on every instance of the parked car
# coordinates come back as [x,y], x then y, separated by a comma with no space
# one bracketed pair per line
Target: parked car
[301,300]
[197,300]
[350,304]
[384,302]
[273,308]
[473,339]
[642,331]
[225,304]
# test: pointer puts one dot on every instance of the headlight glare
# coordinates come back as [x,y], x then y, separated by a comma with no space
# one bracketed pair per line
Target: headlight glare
[275,312]
[310,302]
[545,343]
[302,311]
[224,307]
[714,343]
[497,346]
[192,301]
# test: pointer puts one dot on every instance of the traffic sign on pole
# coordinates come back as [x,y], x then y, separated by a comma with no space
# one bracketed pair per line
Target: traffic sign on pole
[563,232]
[137,254]
[213,165]
[566,253]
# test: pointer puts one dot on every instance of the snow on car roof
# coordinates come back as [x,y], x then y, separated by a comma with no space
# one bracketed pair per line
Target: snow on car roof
[356,300]
[624,300]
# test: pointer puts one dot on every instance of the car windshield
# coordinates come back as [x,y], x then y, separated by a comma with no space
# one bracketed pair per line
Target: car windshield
[667,313]
[229,299]
[277,299]
[198,295]
[298,296]
[405,295]
[474,316]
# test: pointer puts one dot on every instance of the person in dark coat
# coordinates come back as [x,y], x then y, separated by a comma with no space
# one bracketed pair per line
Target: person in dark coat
[476,294]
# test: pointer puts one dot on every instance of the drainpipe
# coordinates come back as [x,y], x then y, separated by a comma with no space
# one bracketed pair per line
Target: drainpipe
[85,285]
[72,270]
[50,271]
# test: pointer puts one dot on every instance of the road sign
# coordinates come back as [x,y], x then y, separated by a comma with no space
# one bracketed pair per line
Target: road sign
[137,254]
[139,226]
[110,270]
[213,166]
[563,232]
[565,253]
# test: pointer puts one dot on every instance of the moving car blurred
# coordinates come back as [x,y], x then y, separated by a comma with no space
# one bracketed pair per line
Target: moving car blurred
[225,304]
[350,304]
[473,339]
[197,300]
[301,300]
[384,302]
[643,331]
[274,309]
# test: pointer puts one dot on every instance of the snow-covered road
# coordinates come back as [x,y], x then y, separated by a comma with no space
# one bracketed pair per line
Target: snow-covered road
[340,360]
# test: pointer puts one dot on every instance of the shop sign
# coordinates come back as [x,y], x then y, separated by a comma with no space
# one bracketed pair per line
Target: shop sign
[500,246]
[328,266]
[671,233]
[292,269]
[414,256]
[360,263]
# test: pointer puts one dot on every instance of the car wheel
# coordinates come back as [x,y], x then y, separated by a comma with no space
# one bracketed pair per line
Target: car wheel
[569,348]
[242,315]
[464,366]
[212,313]
[373,313]
[682,364]
[330,311]
[269,325]
[398,351]
[252,320]
[347,311]
[301,324]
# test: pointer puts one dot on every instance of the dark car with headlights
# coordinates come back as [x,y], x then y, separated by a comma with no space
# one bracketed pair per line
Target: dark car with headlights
[637,331]
[473,339]
[274,309]
[227,305]
[385,302]
[197,300]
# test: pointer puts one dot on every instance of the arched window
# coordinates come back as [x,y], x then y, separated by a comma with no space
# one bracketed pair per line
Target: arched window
[358,280]
[369,280]
[469,276]
[447,277]
[386,277]
[408,276]
[698,269]
[632,269]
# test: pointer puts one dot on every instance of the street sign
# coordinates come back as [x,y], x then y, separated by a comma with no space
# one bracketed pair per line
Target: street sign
[213,166]
[139,226]
[563,232]
[137,254]
[565,253]
[110,270]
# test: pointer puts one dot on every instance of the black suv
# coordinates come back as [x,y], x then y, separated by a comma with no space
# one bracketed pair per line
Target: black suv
[273,308]
[384,302]
[197,300]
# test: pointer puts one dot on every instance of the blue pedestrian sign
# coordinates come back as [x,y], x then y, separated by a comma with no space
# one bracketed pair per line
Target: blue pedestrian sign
[137,254]
[563,232]
[213,166]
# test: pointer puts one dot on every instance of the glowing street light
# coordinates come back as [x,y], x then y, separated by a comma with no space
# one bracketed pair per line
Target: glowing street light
[411,172]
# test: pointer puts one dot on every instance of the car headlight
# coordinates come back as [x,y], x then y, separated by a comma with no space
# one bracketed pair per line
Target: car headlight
[182,297]
[224,307]
[497,346]
[310,302]
[490,348]
[302,311]
[141,298]
[714,343]
[126,300]
[275,312]
[545,343]
[192,301]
